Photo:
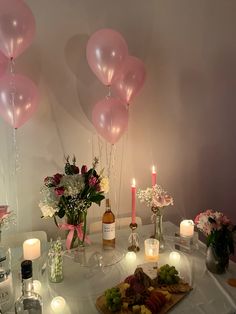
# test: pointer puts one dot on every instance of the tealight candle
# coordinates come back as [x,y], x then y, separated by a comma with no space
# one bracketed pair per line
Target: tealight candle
[151,249]
[58,304]
[31,249]
[186,228]
[130,257]
[37,286]
[174,258]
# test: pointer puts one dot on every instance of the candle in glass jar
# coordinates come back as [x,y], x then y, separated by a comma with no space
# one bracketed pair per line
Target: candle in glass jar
[154,176]
[58,304]
[186,228]
[31,249]
[133,191]
[151,249]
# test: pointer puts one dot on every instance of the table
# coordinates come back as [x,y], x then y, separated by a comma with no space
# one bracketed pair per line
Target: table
[81,285]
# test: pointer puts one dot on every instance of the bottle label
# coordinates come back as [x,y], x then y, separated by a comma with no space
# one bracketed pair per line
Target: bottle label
[108,231]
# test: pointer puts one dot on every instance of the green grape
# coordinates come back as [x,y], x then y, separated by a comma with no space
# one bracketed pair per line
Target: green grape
[113,299]
[168,275]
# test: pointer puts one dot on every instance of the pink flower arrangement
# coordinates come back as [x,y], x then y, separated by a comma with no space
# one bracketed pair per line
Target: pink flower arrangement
[155,197]
[218,229]
[72,192]
[211,220]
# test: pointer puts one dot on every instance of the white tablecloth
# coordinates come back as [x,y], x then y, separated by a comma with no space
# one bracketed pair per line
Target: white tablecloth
[81,285]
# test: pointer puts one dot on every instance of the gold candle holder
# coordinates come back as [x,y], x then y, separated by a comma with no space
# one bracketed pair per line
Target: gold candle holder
[133,238]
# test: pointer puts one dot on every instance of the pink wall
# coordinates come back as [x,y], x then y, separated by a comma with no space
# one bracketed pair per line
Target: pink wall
[184,121]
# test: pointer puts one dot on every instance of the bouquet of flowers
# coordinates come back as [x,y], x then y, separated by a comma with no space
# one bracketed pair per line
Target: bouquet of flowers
[70,195]
[155,197]
[218,229]
[5,217]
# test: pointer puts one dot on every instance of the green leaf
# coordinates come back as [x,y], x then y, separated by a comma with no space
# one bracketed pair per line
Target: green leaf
[97,198]
[61,213]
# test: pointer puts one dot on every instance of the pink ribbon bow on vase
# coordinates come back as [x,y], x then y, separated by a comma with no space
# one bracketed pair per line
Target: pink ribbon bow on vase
[71,229]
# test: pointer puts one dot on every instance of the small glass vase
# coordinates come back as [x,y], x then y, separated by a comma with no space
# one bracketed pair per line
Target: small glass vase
[216,262]
[156,218]
[55,262]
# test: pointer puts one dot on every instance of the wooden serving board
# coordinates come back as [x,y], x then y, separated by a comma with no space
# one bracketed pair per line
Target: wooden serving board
[101,304]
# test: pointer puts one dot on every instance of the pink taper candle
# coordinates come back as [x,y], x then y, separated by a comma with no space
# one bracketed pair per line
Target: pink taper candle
[154,176]
[133,190]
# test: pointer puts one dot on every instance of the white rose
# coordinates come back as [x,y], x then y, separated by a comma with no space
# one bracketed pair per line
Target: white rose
[47,211]
[104,185]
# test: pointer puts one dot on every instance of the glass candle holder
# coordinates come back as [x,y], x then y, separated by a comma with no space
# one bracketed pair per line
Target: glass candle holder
[151,249]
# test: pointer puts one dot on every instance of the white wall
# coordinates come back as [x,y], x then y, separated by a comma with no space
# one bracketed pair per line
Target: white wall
[183,121]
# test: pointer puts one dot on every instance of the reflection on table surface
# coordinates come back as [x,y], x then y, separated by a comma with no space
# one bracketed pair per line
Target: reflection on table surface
[86,277]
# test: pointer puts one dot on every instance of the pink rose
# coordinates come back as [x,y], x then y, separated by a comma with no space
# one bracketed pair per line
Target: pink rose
[84,169]
[93,181]
[59,190]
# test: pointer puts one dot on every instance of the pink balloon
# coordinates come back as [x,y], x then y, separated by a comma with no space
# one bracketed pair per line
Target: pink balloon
[3,64]
[106,52]
[18,99]
[131,79]
[110,118]
[17,27]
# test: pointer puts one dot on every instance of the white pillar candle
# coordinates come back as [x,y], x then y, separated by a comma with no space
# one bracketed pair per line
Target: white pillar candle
[130,257]
[58,304]
[174,258]
[186,228]
[31,249]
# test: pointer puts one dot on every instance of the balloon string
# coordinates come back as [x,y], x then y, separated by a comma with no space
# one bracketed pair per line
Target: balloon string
[114,175]
[109,91]
[16,153]
[109,159]
[121,170]
[100,148]
[16,167]
[12,66]
[4,185]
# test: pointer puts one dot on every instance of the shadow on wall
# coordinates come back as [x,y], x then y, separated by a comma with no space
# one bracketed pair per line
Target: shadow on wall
[29,63]
[208,107]
[88,87]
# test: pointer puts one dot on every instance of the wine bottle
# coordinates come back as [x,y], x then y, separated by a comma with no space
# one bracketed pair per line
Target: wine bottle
[108,227]
[29,302]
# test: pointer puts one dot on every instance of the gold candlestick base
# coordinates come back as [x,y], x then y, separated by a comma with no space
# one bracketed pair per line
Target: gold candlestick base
[133,238]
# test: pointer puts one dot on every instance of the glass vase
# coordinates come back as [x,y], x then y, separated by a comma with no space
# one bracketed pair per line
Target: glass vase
[217,261]
[80,219]
[157,218]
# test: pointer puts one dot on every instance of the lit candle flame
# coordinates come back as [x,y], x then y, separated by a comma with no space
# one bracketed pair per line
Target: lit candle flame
[153,169]
[133,183]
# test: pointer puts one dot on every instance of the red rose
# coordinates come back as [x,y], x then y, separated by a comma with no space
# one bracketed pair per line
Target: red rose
[49,182]
[84,169]
[59,191]
[75,169]
[57,178]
